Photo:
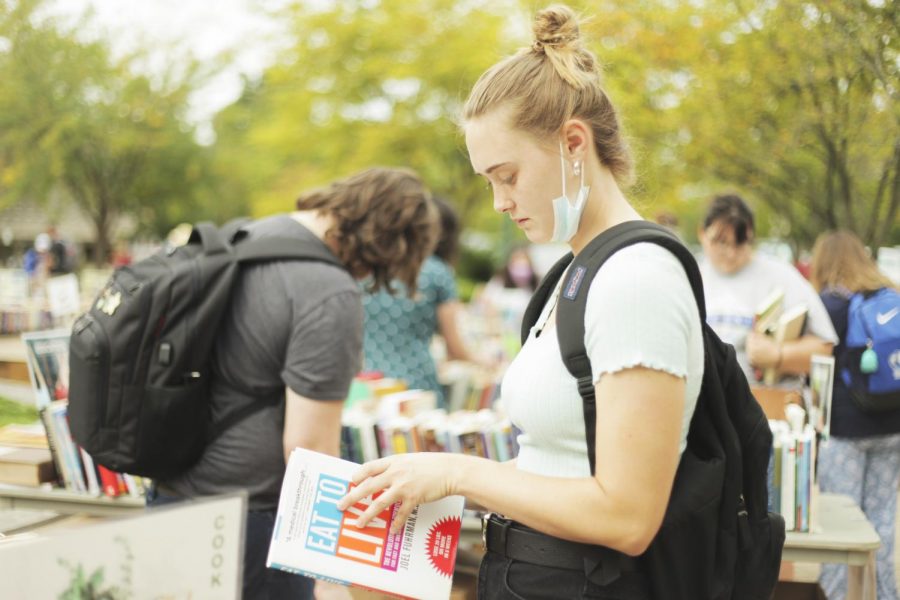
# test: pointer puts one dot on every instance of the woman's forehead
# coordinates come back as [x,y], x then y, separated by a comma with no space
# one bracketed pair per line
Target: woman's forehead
[492,142]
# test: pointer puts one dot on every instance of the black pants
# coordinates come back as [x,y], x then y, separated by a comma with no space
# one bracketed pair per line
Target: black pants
[501,578]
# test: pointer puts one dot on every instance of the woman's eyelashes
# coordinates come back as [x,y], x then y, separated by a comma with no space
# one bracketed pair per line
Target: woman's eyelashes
[507,180]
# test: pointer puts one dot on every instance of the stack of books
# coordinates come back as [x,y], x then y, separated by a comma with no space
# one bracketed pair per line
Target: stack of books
[783,325]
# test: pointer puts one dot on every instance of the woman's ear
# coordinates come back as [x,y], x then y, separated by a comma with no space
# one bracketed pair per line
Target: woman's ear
[577,139]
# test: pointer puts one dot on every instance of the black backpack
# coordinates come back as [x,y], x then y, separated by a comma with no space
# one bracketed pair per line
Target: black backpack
[717,539]
[140,358]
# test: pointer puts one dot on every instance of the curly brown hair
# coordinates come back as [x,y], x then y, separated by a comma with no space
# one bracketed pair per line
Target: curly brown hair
[385,224]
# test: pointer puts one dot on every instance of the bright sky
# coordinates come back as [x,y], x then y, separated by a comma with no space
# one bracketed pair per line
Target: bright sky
[203,28]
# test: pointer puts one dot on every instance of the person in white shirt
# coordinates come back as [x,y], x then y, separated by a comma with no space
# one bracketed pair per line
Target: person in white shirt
[543,133]
[737,280]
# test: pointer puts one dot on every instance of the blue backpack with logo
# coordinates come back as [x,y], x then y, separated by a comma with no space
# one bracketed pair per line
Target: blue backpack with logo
[870,366]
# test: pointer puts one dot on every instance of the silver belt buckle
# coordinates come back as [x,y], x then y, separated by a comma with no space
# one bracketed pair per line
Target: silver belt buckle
[484,523]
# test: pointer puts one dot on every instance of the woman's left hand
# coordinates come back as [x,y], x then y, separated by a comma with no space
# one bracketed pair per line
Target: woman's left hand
[410,479]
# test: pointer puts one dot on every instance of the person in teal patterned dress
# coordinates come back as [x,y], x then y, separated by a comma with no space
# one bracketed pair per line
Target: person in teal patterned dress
[399,329]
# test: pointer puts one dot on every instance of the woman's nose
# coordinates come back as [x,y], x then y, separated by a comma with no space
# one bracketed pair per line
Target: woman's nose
[502,202]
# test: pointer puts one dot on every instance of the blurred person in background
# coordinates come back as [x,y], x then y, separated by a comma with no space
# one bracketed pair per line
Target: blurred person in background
[37,262]
[63,255]
[504,298]
[861,459]
[517,273]
[736,280]
[399,326]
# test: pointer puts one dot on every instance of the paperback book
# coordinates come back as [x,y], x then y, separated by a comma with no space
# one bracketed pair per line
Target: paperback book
[48,364]
[313,538]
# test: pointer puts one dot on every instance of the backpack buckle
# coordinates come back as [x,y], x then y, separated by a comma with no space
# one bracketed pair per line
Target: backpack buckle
[586,386]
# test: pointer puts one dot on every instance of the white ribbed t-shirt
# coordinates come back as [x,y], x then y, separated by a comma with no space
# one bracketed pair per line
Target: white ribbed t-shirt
[640,312]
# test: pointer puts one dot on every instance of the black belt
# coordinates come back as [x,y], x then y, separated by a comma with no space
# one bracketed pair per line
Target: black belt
[513,540]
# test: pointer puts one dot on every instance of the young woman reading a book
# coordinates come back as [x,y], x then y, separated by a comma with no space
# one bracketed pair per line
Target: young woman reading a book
[544,135]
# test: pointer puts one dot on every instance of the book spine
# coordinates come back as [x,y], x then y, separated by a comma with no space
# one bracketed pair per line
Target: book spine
[90,472]
[69,451]
[53,445]
[788,480]
[108,481]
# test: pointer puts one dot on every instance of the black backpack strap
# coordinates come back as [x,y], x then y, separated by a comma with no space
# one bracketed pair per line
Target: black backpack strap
[543,291]
[210,237]
[573,303]
[284,248]
[233,230]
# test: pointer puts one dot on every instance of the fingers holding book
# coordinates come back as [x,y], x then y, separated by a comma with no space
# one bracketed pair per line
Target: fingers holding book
[407,480]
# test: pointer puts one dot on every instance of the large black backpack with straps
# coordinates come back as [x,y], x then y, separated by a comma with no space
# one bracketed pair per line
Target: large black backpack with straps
[717,540]
[141,356]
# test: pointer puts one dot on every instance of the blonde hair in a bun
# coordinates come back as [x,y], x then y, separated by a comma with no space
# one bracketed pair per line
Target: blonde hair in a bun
[556,34]
[555,79]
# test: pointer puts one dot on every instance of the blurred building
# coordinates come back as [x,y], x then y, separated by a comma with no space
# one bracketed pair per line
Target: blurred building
[21,222]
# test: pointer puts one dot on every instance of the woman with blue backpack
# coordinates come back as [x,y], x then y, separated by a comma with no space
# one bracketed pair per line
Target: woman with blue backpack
[862,457]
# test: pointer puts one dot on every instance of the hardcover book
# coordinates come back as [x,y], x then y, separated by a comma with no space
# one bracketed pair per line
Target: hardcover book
[766,316]
[26,466]
[313,538]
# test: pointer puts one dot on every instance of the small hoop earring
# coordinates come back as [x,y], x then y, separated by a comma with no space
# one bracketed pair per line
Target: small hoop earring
[576,168]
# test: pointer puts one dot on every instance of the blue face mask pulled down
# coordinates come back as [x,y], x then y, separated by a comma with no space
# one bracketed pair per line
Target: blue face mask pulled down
[566,214]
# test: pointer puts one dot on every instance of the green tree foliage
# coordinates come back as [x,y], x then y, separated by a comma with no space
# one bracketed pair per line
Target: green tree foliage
[73,119]
[795,103]
[366,83]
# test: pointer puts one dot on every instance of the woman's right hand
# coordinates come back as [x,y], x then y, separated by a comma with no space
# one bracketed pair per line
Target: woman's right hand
[410,479]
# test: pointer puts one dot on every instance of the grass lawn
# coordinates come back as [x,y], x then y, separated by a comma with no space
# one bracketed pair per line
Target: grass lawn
[16,412]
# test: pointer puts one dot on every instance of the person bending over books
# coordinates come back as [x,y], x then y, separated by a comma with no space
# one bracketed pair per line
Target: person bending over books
[399,326]
[862,456]
[543,133]
[292,339]
[756,303]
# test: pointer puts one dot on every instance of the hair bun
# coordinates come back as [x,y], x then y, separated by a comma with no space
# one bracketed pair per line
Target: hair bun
[555,27]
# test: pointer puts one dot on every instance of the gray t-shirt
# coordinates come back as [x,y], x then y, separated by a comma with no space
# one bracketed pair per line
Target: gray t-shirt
[294,324]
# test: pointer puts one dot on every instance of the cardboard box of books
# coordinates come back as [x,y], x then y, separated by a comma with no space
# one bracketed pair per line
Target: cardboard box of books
[313,538]
[182,550]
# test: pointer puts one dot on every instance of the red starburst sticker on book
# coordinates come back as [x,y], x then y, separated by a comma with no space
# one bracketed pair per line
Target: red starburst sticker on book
[443,538]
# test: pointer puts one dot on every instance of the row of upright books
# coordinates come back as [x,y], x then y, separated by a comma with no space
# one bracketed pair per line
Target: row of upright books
[792,475]
[484,433]
[76,470]
[71,468]
[18,319]
[468,386]
[384,418]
